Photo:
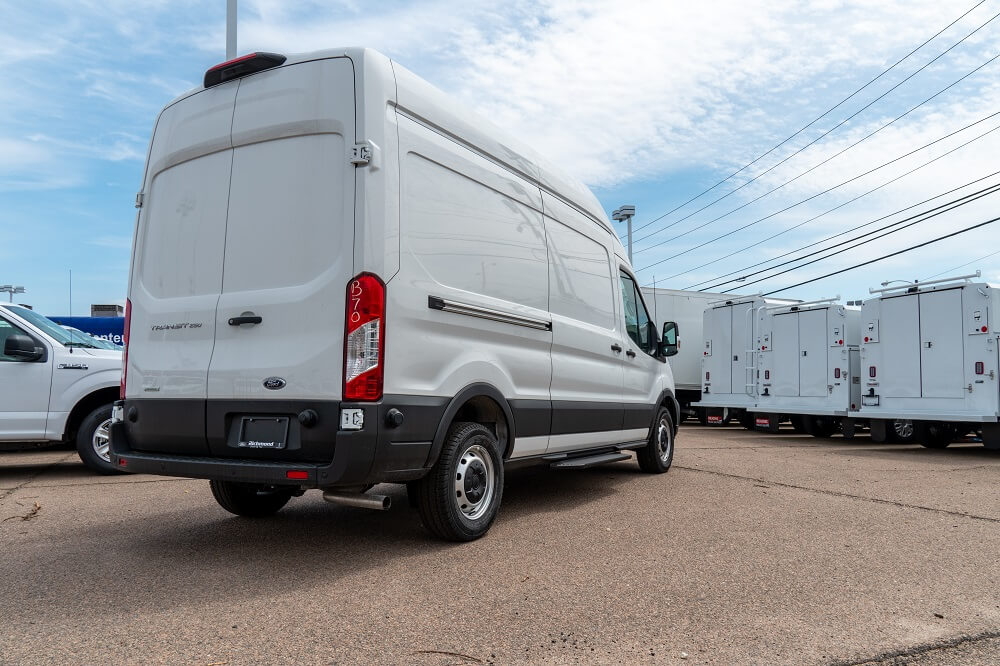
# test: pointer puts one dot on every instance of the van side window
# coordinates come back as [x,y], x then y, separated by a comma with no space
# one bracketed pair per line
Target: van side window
[636,317]
[6,330]
[579,269]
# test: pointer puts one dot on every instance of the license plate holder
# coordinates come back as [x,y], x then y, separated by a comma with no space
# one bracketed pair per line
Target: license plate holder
[263,432]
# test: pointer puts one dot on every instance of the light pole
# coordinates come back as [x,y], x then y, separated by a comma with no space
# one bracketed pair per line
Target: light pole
[230,29]
[11,289]
[625,213]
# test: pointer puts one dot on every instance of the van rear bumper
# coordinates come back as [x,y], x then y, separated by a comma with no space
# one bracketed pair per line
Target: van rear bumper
[166,437]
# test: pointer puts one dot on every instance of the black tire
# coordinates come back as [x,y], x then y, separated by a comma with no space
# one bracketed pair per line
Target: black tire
[799,424]
[249,500]
[935,435]
[702,416]
[820,426]
[878,430]
[848,428]
[462,512]
[92,438]
[748,420]
[656,456]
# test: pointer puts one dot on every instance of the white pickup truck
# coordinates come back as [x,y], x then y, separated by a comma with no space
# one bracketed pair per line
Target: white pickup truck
[56,386]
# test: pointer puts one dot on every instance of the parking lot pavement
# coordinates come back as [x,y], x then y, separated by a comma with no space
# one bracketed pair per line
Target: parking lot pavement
[754,548]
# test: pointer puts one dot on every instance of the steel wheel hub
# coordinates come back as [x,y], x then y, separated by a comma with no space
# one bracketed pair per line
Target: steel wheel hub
[664,440]
[475,479]
[102,441]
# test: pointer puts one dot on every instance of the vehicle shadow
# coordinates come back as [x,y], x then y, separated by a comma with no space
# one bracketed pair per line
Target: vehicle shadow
[173,558]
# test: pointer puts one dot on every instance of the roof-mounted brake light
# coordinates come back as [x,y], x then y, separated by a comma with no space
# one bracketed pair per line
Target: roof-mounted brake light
[237,67]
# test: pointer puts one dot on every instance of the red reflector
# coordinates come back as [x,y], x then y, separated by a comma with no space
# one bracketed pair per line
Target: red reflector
[980,368]
[871,371]
[122,462]
[296,474]
[841,342]
[836,373]
[983,329]
[866,338]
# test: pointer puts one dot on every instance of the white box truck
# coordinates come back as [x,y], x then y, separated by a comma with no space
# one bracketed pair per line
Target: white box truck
[339,278]
[728,361]
[929,356]
[808,365]
[686,310]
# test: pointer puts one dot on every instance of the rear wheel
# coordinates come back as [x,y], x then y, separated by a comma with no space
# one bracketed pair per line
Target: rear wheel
[848,428]
[820,426]
[901,430]
[799,424]
[248,499]
[936,435]
[459,499]
[747,420]
[93,440]
[657,455]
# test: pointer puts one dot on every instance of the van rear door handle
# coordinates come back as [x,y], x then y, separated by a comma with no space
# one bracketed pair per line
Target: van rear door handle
[245,318]
[616,349]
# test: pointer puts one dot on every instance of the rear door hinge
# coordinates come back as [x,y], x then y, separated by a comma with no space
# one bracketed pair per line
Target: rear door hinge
[139,198]
[365,154]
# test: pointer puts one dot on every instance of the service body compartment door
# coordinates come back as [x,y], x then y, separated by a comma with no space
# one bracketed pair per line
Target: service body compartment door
[942,351]
[741,342]
[719,332]
[899,374]
[785,349]
[813,353]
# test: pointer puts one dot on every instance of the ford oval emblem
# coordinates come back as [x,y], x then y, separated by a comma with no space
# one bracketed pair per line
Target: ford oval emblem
[274,383]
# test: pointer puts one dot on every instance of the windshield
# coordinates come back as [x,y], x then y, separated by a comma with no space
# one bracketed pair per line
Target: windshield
[52,329]
[101,343]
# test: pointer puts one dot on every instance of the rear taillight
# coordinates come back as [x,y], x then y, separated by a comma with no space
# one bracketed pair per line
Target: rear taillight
[128,325]
[364,338]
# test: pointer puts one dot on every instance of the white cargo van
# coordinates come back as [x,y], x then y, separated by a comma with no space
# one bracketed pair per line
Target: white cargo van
[56,386]
[340,279]
[808,365]
[929,355]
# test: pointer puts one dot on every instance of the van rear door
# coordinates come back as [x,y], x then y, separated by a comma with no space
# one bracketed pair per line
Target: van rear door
[288,246]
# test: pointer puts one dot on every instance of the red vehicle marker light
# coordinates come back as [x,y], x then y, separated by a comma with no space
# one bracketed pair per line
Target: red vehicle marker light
[298,474]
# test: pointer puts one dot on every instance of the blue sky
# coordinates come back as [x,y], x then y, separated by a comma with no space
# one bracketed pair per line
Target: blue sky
[649,103]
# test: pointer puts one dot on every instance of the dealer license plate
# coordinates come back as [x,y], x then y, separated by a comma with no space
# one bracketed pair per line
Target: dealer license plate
[263,432]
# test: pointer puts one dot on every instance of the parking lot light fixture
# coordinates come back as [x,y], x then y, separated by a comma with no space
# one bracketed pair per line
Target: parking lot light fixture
[11,290]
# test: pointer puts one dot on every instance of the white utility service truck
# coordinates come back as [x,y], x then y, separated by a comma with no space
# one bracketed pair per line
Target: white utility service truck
[340,278]
[728,359]
[807,368]
[929,355]
[686,310]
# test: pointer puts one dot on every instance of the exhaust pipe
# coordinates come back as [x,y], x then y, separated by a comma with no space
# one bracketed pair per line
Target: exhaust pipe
[360,500]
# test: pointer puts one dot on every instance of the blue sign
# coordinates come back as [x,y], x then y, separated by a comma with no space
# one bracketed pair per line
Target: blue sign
[108,328]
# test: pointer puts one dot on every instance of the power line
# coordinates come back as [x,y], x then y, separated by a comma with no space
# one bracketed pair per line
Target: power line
[927,215]
[830,210]
[814,121]
[816,166]
[828,238]
[888,256]
[772,149]
[968,263]
[826,191]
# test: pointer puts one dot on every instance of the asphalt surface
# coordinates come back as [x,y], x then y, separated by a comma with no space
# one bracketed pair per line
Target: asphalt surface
[754,548]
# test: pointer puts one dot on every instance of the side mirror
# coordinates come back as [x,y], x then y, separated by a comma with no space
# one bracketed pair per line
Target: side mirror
[22,347]
[670,343]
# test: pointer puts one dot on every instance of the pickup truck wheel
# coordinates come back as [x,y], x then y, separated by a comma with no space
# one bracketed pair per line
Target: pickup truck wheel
[459,499]
[92,439]
[249,500]
[656,456]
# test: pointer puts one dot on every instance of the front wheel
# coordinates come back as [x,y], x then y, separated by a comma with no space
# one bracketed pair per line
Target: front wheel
[657,455]
[248,499]
[93,440]
[459,499]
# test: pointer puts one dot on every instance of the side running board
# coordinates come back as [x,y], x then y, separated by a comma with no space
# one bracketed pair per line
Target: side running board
[590,461]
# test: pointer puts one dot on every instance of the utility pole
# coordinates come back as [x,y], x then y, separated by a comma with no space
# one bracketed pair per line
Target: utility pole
[230,29]
[11,290]
[625,213]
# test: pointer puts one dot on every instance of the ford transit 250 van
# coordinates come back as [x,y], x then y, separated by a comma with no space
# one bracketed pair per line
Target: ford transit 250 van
[340,279]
